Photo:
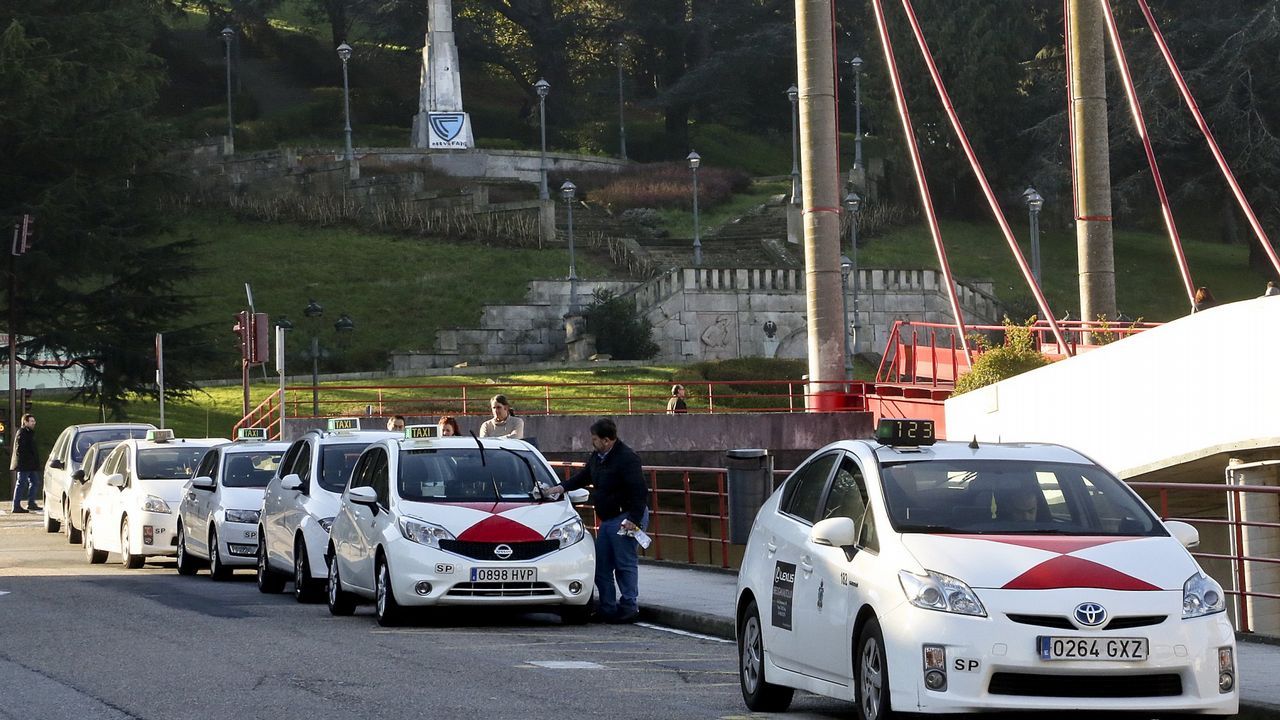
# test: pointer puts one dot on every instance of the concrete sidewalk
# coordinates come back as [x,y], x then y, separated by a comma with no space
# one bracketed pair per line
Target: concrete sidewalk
[701,600]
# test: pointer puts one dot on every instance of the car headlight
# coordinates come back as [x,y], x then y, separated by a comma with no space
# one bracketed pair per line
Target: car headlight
[568,532]
[249,517]
[1202,595]
[935,591]
[423,532]
[326,523]
[155,504]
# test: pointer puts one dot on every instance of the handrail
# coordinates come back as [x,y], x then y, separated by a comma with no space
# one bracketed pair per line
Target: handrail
[265,410]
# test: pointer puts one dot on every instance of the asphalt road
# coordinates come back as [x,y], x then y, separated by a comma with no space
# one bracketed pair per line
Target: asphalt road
[80,641]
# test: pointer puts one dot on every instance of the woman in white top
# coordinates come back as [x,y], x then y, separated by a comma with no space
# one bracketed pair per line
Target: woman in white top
[503,423]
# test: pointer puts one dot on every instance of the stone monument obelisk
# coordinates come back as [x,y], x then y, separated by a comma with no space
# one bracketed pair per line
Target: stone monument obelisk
[440,122]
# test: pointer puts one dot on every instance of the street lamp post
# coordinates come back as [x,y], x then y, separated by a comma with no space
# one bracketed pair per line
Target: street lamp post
[1034,203]
[227,36]
[853,202]
[344,52]
[694,161]
[543,87]
[856,64]
[567,190]
[314,310]
[793,94]
[622,115]
[846,265]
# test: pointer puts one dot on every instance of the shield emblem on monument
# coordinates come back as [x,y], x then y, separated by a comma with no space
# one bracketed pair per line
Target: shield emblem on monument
[446,126]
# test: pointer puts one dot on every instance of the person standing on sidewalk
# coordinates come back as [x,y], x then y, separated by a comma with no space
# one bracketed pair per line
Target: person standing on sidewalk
[26,461]
[503,424]
[620,500]
[677,405]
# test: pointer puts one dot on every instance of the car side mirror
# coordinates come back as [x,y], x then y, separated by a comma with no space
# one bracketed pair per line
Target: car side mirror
[56,464]
[291,482]
[203,483]
[1183,533]
[579,496]
[363,496]
[115,480]
[78,476]
[834,532]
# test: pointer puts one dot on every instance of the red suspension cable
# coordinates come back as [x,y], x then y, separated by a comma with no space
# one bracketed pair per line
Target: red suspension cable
[978,172]
[1071,107]
[1140,124]
[1208,134]
[925,198]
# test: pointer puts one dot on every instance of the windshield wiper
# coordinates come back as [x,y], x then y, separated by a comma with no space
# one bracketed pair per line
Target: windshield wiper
[931,529]
[537,486]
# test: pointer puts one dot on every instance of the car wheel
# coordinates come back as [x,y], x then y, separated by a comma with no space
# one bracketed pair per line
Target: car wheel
[186,564]
[305,589]
[575,614]
[218,570]
[127,558]
[73,533]
[759,694]
[269,581]
[389,612]
[340,603]
[95,557]
[50,525]
[871,673]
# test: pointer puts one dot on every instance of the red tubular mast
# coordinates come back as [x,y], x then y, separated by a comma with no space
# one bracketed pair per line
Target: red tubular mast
[1208,135]
[1140,124]
[917,165]
[978,172]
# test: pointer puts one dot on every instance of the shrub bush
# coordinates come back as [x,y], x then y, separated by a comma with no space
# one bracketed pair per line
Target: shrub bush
[620,331]
[1017,355]
[668,185]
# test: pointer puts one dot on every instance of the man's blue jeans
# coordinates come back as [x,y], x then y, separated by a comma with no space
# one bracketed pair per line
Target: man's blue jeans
[616,559]
[29,483]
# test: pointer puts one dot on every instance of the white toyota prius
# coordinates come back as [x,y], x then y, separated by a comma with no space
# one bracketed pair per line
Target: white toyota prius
[910,576]
[457,521]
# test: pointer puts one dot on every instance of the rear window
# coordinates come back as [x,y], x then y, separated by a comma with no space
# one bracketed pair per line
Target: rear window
[103,451]
[173,463]
[86,438]
[464,475]
[336,464]
[250,469]
[1012,497]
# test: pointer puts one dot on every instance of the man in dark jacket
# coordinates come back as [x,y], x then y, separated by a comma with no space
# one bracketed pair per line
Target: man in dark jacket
[620,501]
[27,462]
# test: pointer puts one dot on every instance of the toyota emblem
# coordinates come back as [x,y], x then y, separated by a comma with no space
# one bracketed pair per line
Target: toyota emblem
[1090,614]
[504,551]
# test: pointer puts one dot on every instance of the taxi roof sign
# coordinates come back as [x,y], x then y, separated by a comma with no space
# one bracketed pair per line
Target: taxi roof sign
[251,433]
[160,436]
[420,432]
[901,432]
[345,423]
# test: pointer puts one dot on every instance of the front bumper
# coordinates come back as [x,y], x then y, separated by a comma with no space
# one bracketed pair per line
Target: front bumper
[238,544]
[450,577]
[153,533]
[992,663]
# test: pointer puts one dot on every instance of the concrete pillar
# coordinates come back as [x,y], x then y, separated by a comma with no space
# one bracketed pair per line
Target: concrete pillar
[1264,613]
[546,222]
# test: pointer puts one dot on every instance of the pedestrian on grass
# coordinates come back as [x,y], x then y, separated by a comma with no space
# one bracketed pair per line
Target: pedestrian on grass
[677,405]
[620,500]
[503,424]
[26,461]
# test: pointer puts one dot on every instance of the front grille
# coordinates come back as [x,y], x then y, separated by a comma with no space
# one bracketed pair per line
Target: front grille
[1135,621]
[1051,621]
[242,550]
[1085,686]
[498,589]
[484,550]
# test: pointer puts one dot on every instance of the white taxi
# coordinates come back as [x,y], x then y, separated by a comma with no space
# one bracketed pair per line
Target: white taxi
[130,503]
[66,458]
[218,514]
[300,503]
[917,577]
[457,521]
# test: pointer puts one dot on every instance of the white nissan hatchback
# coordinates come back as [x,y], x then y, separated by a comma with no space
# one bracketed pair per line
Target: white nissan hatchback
[957,577]
[457,521]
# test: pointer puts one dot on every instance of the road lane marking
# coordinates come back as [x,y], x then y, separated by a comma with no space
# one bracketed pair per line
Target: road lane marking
[566,664]
[4,592]
[685,633]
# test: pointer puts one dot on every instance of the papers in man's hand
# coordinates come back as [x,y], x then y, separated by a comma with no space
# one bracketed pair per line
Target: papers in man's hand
[641,537]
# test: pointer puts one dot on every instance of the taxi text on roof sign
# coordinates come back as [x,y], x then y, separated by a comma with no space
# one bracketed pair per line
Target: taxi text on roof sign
[252,434]
[159,435]
[899,432]
[348,423]
[418,432]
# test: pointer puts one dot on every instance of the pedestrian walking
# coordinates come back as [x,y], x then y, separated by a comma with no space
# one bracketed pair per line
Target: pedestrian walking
[26,461]
[503,424]
[620,500]
[677,405]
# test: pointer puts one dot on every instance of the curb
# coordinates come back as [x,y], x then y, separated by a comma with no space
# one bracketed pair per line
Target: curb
[689,621]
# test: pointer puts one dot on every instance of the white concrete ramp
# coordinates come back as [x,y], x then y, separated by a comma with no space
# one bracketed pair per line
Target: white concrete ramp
[1178,399]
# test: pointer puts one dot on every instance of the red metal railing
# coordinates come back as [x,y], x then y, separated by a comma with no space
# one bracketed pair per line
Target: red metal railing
[266,415]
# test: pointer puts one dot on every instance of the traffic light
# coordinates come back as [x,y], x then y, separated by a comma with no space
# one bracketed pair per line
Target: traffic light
[242,331]
[260,348]
[26,400]
[22,232]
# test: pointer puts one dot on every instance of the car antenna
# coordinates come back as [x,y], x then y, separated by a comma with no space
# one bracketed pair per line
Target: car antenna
[479,445]
[973,444]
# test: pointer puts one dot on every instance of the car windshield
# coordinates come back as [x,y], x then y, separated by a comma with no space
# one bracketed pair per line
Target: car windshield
[1011,497]
[249,469]
[465,475]
[170,463]
[86,438]
[336,463]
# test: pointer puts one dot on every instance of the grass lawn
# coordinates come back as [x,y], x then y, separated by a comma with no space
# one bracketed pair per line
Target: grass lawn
[679,222]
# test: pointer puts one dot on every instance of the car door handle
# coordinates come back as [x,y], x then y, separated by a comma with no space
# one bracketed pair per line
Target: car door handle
[806,565]
[771,547]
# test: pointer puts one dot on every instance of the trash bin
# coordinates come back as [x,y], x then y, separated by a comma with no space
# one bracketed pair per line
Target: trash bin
[750,484]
